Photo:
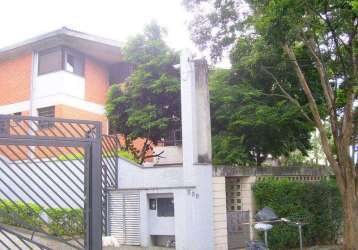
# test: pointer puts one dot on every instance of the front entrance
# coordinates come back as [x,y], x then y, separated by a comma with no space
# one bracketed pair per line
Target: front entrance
[52,183]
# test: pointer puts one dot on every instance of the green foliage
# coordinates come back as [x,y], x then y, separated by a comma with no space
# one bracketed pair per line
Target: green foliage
[79,156]
[62,221]
[318,204]
[65,221]
[255,32]
[71,156]
[251,119]
[127,155]
[17,213]
[148,105]
[295,158]
[233,23]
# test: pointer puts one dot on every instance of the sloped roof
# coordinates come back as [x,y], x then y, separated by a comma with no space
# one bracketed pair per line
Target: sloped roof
[103,49]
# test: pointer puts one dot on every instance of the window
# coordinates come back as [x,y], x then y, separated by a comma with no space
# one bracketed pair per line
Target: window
[74,63]
[46,112]
[50,61]
[60,59]
[165,207]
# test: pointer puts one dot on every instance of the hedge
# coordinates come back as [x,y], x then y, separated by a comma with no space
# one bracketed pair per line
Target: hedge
[55,221]
[79,156]
[317,203]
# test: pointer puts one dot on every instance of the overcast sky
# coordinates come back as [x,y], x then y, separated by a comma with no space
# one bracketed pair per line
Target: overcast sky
[116,19]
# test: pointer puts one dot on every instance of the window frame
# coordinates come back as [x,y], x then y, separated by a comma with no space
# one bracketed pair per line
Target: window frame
[48,51]
[168,214]
[67,51]
[64,51]
[46,124]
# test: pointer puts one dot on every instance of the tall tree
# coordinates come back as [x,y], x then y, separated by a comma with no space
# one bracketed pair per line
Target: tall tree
[147,106]
[327,31]
[251,119]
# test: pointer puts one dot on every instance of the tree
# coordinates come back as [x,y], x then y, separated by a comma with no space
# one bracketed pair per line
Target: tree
[147,106]
[327,31]
[250,121]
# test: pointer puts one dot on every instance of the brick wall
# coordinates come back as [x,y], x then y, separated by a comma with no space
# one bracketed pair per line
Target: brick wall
[63,111]
[15,79]
[96,75]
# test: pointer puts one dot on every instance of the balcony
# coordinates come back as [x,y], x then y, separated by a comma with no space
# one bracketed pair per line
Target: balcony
[59,83]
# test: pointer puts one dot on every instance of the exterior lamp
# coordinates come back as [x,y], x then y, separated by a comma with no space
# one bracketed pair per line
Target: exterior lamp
[263,227]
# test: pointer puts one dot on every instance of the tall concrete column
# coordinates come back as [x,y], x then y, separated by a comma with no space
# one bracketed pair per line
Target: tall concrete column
[195,108]
[197,168]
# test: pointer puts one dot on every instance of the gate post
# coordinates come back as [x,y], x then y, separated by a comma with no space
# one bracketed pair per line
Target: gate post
[94,225]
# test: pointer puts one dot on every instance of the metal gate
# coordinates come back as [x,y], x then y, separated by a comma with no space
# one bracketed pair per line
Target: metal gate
[110,147]
[124,216]
[238,229]
[53,177]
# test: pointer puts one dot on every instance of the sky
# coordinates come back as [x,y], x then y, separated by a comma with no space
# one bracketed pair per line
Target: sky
[115,19]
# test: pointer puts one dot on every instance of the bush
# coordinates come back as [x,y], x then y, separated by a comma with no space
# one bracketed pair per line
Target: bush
[65,221]
[316,203]
[61,221]
[79,156]
[127,155]
[20,214]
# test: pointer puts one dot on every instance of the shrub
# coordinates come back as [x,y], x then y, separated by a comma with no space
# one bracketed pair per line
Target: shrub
[316,203]
[20,214]
[79,156]
[127,155]
[61,221]
[65,221]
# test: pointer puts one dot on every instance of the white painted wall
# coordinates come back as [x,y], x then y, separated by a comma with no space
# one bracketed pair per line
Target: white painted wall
[133,176]
[171,155]
[15,107]
[59,83]
[69,101]
[160,225]
[197,170]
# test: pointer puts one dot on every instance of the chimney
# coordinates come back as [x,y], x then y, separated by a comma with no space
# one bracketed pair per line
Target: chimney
[195,110]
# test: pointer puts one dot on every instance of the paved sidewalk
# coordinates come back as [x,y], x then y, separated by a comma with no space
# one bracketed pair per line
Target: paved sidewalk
[13,242]
[136,248]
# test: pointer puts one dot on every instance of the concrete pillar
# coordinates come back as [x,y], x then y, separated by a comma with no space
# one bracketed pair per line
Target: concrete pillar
[195,107]
[220,215]
[197,168]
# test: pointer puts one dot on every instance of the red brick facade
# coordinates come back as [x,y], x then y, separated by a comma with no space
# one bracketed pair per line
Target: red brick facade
[96,75]
[64,111]
[15,79]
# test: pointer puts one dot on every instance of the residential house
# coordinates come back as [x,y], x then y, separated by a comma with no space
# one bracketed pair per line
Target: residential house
[63,74]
